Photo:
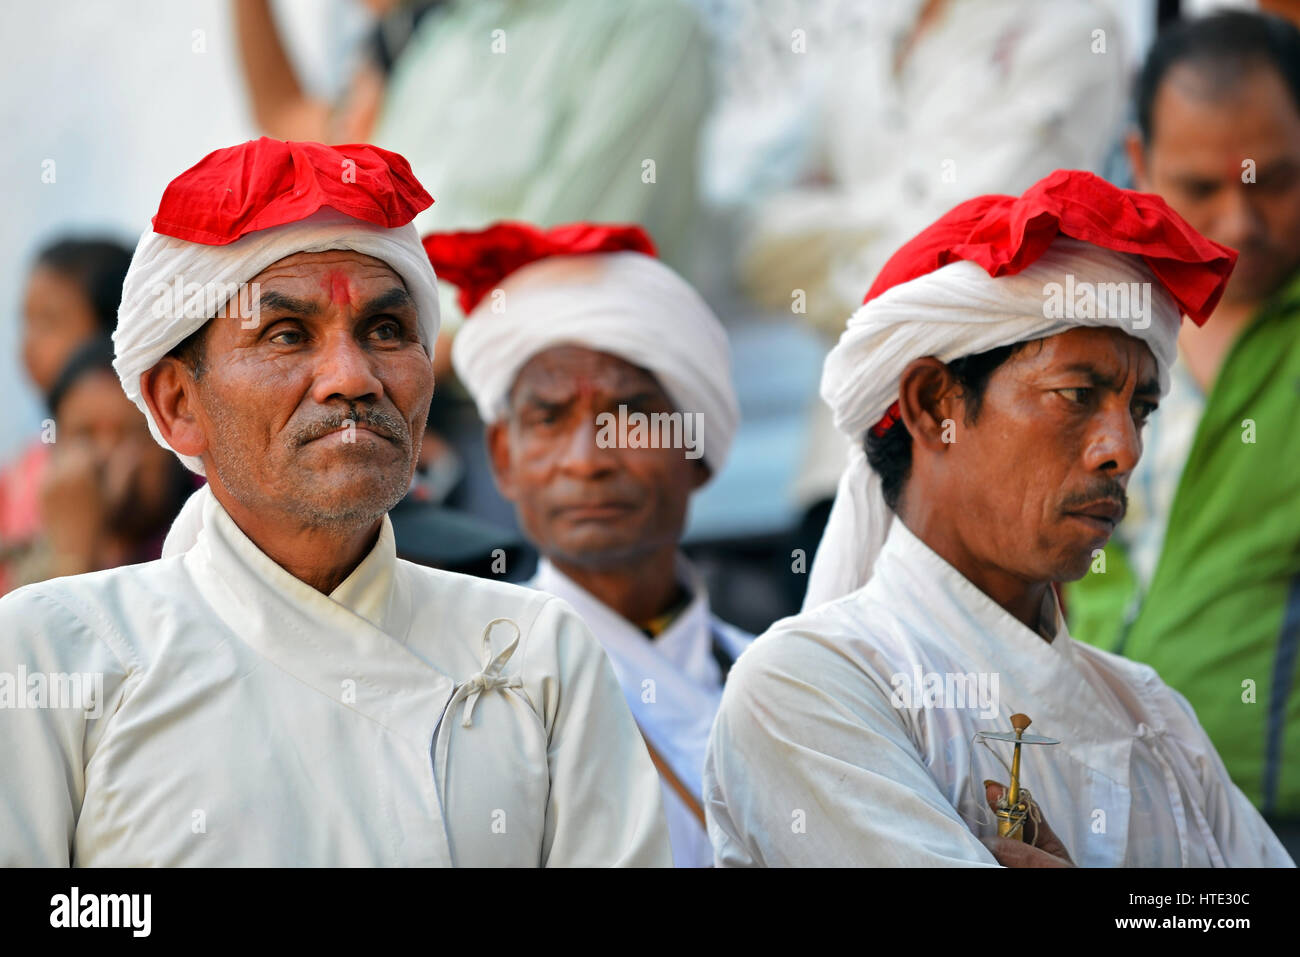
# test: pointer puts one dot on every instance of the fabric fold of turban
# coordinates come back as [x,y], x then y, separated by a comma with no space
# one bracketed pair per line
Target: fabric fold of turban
[588,285]
[979,278]
[476,262]
[243,208]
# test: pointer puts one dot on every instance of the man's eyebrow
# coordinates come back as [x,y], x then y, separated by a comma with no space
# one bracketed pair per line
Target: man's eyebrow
[1094,375]
[279,302]
[395,298]
[531,398]
[1098,378]
[1197,181]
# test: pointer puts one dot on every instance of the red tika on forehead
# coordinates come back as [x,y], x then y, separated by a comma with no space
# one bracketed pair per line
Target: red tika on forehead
[265,182]
[1005,234]
[477,262]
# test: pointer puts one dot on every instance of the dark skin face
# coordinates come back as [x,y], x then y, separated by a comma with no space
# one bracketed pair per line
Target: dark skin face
[309,423]
[135,474]
[57,318]
[609,518]
[1036,483]
[1202,132]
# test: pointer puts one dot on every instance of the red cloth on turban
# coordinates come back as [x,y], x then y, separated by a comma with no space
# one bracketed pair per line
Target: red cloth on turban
[266,182]
[1004,234]
[477,262]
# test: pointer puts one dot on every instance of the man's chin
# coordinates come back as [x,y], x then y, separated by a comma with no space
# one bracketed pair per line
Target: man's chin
[356,493]
[1076,566]
[596,550]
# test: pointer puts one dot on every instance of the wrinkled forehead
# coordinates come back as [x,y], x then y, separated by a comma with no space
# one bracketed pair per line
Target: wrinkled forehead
[311,266]
[563,372]
[1109,354]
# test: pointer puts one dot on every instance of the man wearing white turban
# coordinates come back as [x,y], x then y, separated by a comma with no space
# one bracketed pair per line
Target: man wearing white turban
[994,385]
[280,689]
[605,382]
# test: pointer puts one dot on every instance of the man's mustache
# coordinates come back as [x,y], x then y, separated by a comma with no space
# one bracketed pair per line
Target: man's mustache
[383,423]
[1101,491]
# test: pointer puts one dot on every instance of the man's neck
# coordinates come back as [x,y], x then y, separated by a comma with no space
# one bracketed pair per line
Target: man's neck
[322,557]
[637,590]
[1022,600]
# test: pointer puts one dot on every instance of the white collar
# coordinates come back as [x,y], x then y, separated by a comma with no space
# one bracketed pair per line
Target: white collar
[1073,698]
[329,645]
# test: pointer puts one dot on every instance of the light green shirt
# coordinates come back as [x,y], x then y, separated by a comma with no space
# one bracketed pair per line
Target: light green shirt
[551,111]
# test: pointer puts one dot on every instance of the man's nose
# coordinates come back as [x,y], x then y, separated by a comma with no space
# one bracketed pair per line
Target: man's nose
[1240,222]
[1115,442]
[582,452]
[344,370]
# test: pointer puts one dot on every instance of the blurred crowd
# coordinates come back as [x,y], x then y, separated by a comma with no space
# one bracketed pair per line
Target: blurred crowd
[785,150]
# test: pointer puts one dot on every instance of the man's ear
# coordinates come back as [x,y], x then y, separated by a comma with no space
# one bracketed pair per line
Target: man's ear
[170,392]
[929,399]
[1137,159]
[498,448]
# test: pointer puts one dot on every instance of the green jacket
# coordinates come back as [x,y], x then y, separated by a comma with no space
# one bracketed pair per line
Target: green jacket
[1222,615]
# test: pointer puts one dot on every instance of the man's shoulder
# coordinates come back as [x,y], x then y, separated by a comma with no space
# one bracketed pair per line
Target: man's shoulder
[97,593]
[77,610]
[841,637]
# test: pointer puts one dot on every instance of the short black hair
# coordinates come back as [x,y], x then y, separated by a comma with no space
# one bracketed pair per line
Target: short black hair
[193,350]
[1225,45]
[98,267]
[890,455]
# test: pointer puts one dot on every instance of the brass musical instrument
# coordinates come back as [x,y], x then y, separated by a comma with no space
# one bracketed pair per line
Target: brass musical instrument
[1014,807]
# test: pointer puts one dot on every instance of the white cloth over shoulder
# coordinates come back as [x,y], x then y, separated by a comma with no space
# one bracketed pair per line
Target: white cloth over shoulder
[240,717]
[152,319]
[626,304]
[833,746]
[955,311]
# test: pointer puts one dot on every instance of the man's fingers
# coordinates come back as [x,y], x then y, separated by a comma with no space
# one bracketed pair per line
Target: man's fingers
[1038,834]
[993,793]
[1011,853]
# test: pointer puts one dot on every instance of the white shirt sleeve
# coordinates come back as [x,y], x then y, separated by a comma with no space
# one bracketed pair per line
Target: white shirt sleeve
[46,739]
[810,765]
[605,807]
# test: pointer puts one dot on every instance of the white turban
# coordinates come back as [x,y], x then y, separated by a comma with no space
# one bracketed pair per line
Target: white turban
[624,303]
[150,324]
[954,311]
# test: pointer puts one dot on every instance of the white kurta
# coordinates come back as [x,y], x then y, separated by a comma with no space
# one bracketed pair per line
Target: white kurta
[673,684]
[811,764]
[248,719]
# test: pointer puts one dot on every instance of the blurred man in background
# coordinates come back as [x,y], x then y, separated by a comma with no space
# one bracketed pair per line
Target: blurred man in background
[578,334]
[72,295]
[1202,579]
[109,491]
